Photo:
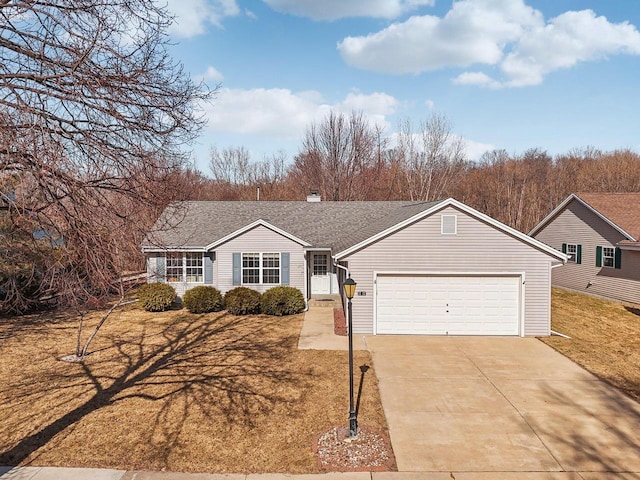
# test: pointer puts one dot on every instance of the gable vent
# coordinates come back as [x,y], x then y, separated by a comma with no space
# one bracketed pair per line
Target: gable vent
[449,224]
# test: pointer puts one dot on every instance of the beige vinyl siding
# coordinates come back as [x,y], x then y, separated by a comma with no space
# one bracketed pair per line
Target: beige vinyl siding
[580,225]
[152,276]
[476,247]
[258,240]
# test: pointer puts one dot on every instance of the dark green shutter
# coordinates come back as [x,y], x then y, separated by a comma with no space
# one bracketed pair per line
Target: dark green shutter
[284,268]
[564,248]
[579,254]
[598,256]
[237,269]
[208,268]
[161,269]
[618,258]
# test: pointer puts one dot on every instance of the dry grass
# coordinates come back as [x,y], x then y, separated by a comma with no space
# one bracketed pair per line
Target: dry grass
[605,337]
[174,391]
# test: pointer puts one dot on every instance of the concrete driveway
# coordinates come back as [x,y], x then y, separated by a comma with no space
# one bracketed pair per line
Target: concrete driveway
[467,404]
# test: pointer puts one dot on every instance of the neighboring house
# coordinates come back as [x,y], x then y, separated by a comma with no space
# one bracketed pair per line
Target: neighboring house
[438,268]
[600,233]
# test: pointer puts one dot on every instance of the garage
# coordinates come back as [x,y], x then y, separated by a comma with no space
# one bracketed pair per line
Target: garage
[448,304]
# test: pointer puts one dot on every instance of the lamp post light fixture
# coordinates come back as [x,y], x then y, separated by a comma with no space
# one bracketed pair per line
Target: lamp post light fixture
[350,290]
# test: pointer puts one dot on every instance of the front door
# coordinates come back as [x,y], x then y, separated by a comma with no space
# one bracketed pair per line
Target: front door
[320,274]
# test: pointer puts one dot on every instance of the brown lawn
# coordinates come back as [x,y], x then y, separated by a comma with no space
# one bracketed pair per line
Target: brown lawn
[605,337]
[174,391]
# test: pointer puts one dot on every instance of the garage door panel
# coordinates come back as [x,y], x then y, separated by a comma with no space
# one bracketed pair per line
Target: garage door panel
[453,305]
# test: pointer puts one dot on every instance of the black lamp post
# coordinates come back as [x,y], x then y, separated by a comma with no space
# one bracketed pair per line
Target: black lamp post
[350,291]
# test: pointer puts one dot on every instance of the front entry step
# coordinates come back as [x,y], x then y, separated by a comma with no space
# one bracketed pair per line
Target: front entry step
[330,301]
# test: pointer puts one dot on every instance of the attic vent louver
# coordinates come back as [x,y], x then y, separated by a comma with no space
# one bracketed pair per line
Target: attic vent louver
[449,224]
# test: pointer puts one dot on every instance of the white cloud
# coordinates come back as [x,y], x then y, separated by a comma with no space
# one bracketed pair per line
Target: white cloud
[566,40]
[474,150]
[212,74]
[192,17]
[473,31]
[430,104]
[507,34]
[476,78]
[287,114]
[334,9]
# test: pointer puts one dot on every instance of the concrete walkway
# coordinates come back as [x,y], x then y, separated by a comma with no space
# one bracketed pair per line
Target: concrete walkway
[317,330]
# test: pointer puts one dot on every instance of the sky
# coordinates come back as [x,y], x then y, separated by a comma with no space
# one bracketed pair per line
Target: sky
[507,74]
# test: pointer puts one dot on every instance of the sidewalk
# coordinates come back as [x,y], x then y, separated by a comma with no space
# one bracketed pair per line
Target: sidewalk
[53,473]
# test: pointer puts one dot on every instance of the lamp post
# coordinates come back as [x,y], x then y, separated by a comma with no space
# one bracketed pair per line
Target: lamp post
[350,291]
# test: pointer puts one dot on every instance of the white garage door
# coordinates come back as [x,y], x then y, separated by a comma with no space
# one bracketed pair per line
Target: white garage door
[447,305]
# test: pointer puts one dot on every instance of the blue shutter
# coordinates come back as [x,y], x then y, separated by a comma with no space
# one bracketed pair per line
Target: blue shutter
[618,258]
[598,256]
[579,254]
[284,268]
[237,269]
[564,248]
[208,268]
[161,269]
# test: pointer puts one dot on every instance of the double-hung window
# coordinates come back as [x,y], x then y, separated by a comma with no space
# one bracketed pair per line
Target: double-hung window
[608,256]
[175,267]
[194,268]
[261,268]
[185,267]
[573,251]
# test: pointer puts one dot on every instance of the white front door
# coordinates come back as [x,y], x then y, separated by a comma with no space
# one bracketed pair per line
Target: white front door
[320,274]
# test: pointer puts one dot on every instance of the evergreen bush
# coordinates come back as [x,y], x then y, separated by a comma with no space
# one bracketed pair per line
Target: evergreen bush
[203,299]
[242,301]
[282,301]
[156,297]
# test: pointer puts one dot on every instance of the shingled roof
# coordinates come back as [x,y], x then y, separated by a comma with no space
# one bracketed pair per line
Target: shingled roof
[623,209]
[335,225]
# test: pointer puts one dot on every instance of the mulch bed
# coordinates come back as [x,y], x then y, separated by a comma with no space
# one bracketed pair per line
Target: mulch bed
[339,322]
[368,451]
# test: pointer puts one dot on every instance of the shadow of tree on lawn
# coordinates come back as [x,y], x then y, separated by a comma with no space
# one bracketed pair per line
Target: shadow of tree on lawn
[215,364]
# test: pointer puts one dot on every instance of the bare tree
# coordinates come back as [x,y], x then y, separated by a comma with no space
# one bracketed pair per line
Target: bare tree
[433,157]
[337,154]
[94,115]
[237,177]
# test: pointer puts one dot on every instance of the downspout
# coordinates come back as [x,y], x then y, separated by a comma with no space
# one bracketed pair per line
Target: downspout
[306,283]
[335,263]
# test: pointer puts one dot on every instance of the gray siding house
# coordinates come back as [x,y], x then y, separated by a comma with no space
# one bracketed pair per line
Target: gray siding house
[600,233]
[434,268]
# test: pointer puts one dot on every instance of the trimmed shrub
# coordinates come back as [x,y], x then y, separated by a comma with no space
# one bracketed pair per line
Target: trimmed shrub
[282,301]
[203,299]
[156,297]
[242,301]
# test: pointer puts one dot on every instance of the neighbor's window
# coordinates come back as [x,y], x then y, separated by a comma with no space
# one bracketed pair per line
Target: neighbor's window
[608,256]
[194,268]
[185,267]
[174,267]
[572,251]
[260,268]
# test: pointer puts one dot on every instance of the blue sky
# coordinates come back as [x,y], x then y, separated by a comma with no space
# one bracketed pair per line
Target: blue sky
[508,74]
